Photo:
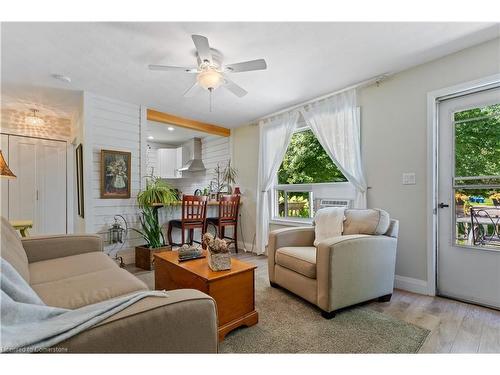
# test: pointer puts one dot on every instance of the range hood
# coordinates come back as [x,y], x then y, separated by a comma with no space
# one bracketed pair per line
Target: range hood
[191,151]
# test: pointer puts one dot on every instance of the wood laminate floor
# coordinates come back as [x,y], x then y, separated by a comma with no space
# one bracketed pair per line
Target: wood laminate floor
[456,327]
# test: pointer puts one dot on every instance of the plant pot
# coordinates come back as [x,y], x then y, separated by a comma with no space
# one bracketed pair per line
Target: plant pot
[219,261]
[144,256]
[496,202]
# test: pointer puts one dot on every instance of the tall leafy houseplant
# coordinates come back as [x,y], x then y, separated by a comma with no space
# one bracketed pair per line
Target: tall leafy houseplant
[151,229]
[156,194]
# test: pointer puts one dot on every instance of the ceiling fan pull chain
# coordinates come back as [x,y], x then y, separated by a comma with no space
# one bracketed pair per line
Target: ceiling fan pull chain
[210,98]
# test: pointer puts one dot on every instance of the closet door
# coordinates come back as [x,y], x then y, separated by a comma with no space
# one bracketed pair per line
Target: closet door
[39,191]
[23,189]
[51,182]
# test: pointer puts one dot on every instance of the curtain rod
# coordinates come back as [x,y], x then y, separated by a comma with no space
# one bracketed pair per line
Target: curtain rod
[367,82]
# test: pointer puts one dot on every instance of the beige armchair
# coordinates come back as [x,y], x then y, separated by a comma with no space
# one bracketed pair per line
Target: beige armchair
[341,271]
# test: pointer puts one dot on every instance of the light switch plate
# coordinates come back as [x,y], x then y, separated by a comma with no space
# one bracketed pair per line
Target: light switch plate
[409,178]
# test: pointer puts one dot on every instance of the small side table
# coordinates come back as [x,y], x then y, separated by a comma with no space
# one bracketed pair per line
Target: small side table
[22,226]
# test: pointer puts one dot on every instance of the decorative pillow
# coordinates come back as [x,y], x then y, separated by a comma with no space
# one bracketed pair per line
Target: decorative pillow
[328,223]
[370,221]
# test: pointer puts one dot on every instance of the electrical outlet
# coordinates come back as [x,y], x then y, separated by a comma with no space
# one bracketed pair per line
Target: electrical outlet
[409,178]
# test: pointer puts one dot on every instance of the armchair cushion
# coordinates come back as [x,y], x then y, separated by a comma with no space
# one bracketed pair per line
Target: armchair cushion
[299,259]
[372,221]
[289,237]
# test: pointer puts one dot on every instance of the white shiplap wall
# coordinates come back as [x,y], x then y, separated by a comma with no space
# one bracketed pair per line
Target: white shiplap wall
[111,125]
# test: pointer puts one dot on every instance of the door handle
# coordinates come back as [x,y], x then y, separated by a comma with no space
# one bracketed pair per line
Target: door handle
[443,205]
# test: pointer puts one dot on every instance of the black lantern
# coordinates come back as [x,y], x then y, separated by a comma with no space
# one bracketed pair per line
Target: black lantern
[116,232]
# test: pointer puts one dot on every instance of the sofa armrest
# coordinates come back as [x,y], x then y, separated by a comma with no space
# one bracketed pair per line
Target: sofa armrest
[298,236]
[184,322]
[40,248]
[354,268]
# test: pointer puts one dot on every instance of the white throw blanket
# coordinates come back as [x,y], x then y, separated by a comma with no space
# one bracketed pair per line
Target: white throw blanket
[328,222]
[29,325]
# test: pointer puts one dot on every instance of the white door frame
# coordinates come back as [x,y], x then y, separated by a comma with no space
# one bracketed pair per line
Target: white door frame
[433,99]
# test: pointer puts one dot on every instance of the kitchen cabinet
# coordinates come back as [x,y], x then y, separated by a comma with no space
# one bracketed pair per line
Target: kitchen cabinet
[169,161]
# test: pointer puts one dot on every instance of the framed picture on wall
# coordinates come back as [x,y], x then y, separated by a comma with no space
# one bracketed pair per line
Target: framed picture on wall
[115,174]
[79,180]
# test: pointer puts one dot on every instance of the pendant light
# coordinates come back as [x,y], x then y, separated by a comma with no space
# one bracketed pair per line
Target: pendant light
[34,120]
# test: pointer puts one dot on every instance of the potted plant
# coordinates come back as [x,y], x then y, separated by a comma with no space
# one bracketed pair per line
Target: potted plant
[495,198]
[223,179]
[461,198]
[156,194]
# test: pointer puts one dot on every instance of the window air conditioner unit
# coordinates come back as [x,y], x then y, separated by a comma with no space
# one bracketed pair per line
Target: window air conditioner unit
[335,203]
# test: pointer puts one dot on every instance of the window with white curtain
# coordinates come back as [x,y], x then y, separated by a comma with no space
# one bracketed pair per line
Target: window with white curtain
[305,171]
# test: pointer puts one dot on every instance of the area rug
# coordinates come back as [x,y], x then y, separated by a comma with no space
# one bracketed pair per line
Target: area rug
[288,324]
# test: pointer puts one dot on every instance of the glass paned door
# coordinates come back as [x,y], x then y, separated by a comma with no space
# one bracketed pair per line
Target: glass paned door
[476,181]
[468,187]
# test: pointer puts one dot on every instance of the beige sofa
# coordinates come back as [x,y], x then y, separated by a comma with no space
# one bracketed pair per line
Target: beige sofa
[341,271]
[71,271]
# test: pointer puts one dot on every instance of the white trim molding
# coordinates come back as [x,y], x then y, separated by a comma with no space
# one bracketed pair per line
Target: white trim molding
[433,100]
[411,285]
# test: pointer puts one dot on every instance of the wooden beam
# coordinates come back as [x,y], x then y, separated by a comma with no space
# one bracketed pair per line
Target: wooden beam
[167,118]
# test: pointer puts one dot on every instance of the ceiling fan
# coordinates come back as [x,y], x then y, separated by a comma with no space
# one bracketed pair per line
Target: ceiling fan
[211,72]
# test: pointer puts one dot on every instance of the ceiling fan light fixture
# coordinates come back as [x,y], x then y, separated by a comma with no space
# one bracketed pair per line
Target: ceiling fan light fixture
[209,79]
[34,120]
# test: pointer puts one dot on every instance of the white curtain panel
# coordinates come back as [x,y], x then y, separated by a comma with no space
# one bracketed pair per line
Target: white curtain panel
[335,123]
[274,137]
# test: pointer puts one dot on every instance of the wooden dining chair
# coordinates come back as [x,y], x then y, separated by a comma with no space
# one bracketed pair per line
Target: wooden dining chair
[228,217]
[193,216]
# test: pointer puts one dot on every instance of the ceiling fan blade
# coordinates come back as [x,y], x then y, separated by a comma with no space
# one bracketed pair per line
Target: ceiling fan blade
[202,47]
[246,66]
[234,88]
[193,90]
[173,68]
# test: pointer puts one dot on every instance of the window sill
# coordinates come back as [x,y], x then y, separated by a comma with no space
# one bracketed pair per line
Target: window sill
[291,222]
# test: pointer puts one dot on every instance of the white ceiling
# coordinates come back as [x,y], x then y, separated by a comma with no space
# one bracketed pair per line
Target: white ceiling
[305,60]
[178,136]
[50,101]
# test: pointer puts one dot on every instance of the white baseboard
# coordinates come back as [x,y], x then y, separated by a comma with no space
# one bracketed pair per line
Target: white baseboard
[411,285]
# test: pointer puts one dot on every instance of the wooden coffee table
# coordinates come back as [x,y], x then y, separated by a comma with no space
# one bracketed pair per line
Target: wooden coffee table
[232,290]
